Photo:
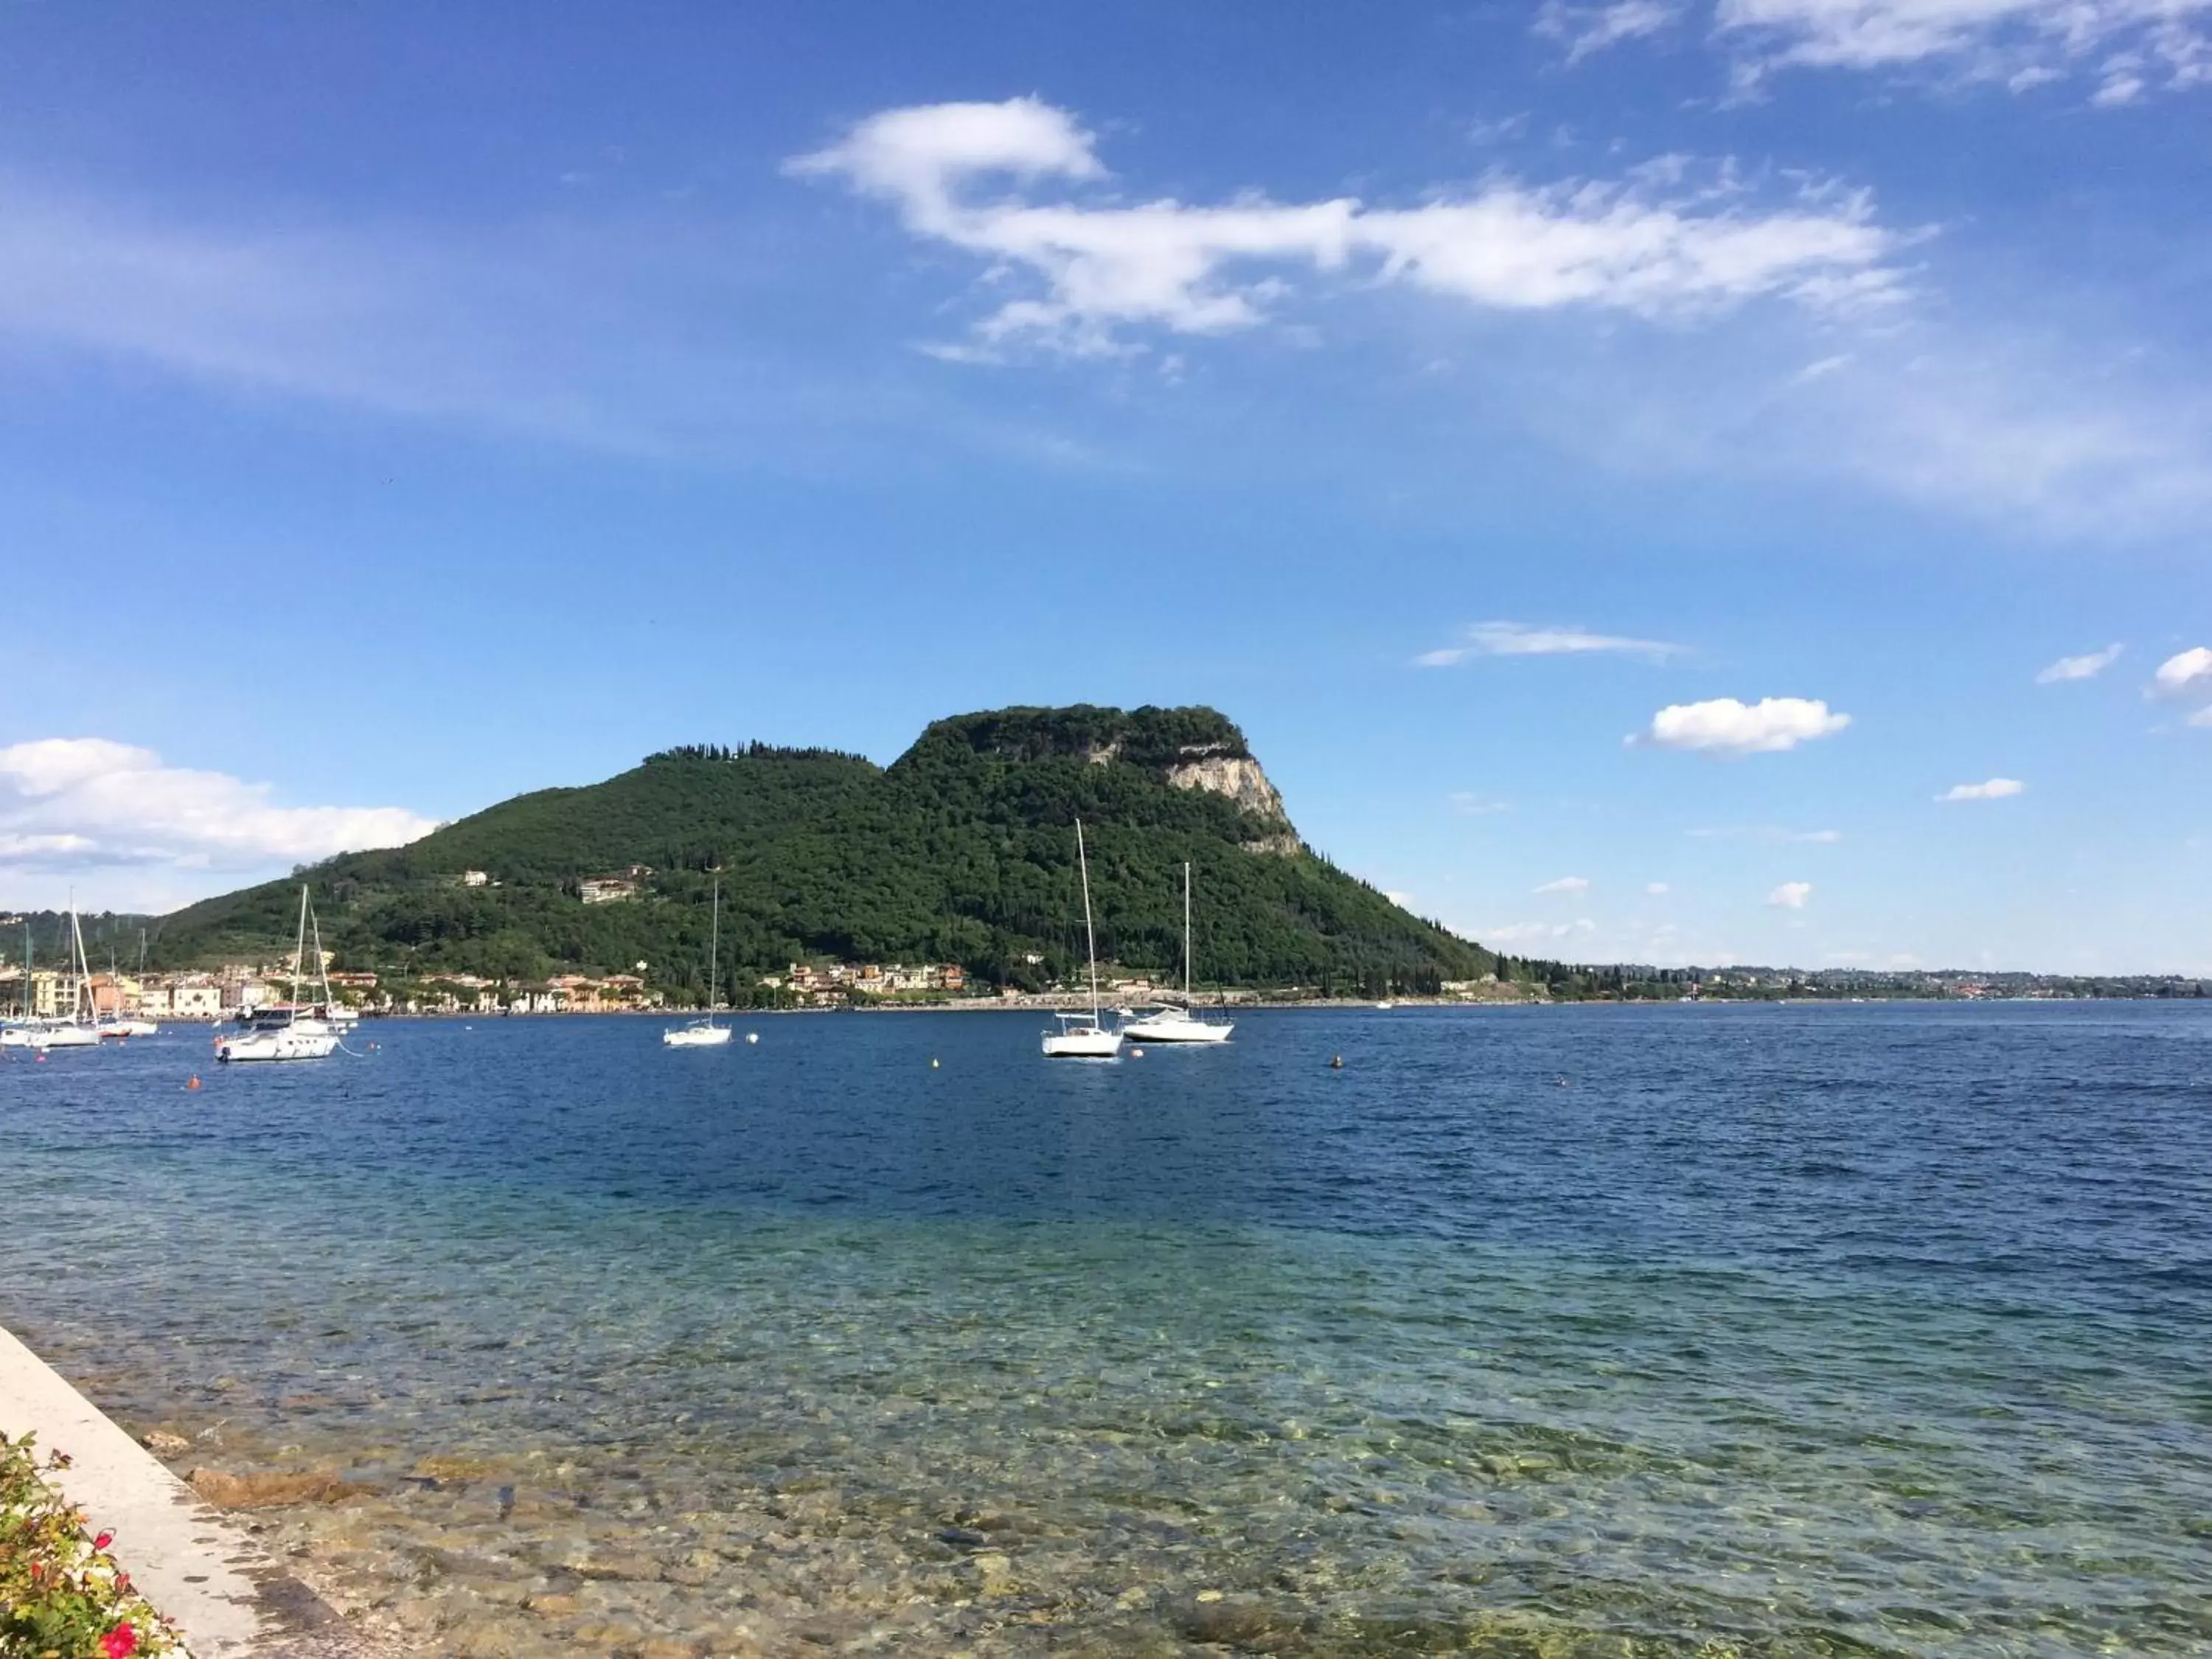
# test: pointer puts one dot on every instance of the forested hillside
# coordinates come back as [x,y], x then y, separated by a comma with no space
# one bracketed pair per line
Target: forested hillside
[962,851]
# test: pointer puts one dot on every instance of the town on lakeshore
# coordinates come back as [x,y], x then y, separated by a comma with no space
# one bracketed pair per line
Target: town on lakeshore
[242,989]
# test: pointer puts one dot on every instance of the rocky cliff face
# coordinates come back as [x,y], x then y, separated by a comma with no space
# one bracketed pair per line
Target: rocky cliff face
[1240,778]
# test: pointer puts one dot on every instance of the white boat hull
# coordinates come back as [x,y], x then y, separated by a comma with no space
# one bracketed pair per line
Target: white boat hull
[697,1037]
[293,1042]
[129,1028]
[1174,1029]
[1085,1042]
[42,1037]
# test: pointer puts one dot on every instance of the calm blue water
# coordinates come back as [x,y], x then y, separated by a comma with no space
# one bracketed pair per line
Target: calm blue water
[1807,1330]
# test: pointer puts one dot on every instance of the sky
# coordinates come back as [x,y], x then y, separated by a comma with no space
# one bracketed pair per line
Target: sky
[1671,481]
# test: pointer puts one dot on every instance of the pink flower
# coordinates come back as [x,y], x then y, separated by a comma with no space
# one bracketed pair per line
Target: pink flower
[103,1541]
[121,1642]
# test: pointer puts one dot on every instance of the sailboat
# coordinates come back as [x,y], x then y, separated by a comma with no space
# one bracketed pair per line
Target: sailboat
[72,1030]
[18,1032]
[1171,1022]
[287,1036]
[1079,1037]
[705,1033]
[118,1023]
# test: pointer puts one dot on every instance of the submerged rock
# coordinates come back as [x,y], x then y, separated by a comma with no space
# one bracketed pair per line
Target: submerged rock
[162,1443]
[1233,1620]
[270,1490]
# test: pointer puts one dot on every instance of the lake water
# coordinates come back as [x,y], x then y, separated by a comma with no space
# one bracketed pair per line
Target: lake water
[1611,1331]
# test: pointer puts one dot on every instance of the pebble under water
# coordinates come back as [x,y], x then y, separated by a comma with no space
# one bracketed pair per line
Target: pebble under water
[1800,1330]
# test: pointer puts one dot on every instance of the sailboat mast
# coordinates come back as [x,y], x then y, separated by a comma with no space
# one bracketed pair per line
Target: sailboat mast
[80,966]
[322,962]
[714,948]
[1186,930]
[1090,938]
[299,955]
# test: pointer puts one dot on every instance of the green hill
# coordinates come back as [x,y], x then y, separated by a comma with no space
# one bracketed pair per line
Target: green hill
[961,851]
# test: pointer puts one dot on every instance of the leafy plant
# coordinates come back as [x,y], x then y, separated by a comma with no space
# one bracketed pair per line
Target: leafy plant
[62,1594]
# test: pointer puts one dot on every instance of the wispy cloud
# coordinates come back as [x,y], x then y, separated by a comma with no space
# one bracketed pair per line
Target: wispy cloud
[1520,933]
[577,329]
[1790,896]
[1566,884]
[1583,29]
[1771,832]
[1476,804]
[1099,268]
[1724,725]
[1510,639]
[2128,47]
[1995,789]
[1656,888]
[2080,668]
[85,806]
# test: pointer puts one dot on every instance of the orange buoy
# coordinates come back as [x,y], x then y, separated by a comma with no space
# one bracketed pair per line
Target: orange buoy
[193,1081]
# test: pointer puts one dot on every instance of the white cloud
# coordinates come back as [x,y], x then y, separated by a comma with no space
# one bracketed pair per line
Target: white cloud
[1995,789]
[2080,668]
[2186,675]
[1403,900]
[1773,832]
[1509,639]
[87,805]
[2128,46]
[1518,932]
[2202,717]
[1476,804]
[1585,29]
[1790,896]
[1102,266]
[1655,888]
[1566,884]
[1724,725]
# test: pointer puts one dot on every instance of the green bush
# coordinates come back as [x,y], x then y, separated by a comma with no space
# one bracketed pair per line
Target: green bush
[62,1594]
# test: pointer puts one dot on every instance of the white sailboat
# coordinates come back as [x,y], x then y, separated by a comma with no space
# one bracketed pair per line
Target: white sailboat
[1171,1022]
[1080,1037]
[705,1033]
[289,1035]
[73,1030]
[15,1032]
[120,1025]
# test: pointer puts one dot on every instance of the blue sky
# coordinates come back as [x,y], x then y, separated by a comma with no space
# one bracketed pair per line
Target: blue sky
[1625,466]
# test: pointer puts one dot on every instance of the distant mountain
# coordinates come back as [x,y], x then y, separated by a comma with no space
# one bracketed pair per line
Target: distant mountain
[963,850]
[107,934]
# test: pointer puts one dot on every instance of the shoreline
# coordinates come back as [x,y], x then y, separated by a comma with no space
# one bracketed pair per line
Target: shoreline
[202,1567]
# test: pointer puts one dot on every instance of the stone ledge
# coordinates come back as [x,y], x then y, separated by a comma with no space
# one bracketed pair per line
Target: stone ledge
[198,1566]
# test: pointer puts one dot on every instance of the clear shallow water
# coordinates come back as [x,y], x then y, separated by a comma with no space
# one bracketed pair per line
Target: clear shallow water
[1814,1330]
